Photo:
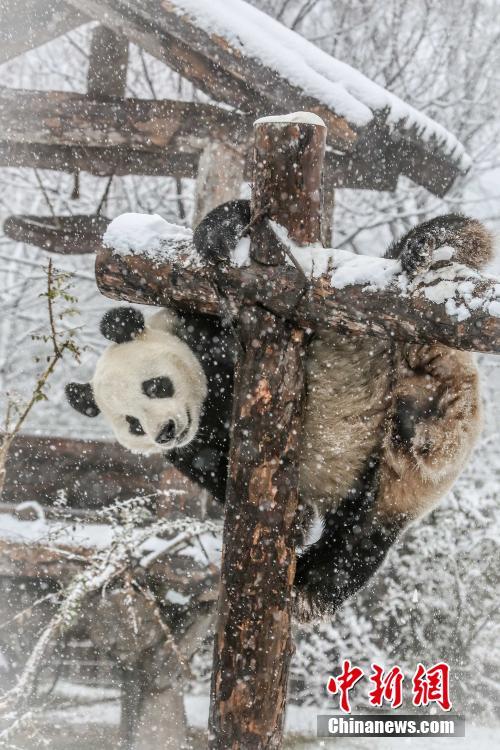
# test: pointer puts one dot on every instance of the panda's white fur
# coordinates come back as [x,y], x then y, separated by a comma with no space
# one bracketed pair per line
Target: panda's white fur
[120,372]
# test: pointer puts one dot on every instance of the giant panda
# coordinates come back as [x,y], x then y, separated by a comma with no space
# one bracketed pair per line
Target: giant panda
[388,426]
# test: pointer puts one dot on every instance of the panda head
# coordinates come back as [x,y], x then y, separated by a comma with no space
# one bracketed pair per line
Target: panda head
[148,384]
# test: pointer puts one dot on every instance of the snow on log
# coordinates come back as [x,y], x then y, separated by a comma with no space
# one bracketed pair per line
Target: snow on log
[453,304]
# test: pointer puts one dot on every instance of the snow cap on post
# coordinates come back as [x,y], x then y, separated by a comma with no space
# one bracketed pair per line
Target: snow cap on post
[304,117]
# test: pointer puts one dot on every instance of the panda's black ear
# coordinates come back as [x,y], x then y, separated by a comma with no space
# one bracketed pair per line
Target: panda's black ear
[122,324]
[81,398]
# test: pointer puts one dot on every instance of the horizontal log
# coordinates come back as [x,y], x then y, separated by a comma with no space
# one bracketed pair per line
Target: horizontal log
[62,118]
[101,162]
[68,131]
[18,560]
[71,132]
[62,562]
[92,474]
[467,317]
[68,235]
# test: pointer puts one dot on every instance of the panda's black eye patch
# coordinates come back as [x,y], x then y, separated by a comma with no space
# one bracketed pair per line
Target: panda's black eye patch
[135,426]
[158,387]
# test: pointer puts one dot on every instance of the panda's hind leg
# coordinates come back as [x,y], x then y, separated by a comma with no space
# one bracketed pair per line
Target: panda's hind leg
[436,421]
[468,240]
[354,544]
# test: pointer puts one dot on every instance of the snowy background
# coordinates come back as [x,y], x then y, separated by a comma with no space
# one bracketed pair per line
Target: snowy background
[438,595]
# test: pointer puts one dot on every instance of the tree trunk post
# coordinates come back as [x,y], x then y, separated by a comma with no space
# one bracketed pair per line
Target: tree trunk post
[253,643]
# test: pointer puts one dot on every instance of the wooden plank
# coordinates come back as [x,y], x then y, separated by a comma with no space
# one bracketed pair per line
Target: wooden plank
[91,473]
[40,562]
[69,235]
[102,162]
[67,131]
[61,118]
[25,24]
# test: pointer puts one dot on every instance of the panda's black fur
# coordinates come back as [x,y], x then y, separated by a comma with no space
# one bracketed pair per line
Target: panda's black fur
[205,459]
[428,414]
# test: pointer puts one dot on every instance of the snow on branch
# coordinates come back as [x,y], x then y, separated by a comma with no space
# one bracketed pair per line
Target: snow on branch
[318,288]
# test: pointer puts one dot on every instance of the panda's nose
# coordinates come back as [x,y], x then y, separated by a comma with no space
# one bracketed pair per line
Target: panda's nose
[167,432]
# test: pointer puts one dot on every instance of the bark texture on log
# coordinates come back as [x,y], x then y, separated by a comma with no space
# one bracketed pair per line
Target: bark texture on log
[253,644]
[355,309]
[63,118]
[288,158]
[91,474]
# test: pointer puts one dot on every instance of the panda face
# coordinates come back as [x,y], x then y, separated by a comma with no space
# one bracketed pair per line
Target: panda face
[151,391]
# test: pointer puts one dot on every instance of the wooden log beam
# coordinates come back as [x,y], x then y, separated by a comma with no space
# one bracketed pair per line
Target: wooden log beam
[63,118]
[63,130]
[101,162]
[394,308]
[26,24]
[38,561]
[92,474]
[68,235]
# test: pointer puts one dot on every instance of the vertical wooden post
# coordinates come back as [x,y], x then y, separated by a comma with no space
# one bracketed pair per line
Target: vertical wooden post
[107,73]
[220,173]
[253,643]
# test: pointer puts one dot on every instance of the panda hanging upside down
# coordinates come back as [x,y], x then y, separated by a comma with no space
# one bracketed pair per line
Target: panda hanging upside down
[388,427]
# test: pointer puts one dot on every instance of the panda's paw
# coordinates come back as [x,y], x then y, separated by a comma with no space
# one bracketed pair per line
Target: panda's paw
[434,449]
[217,235]
[416,255]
